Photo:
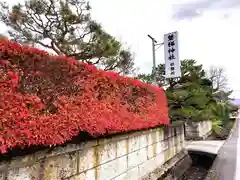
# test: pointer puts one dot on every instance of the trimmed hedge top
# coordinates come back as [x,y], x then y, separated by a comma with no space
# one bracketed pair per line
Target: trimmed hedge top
[47,100]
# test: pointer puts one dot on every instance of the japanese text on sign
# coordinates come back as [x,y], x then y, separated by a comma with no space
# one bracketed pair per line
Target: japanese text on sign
[172,63]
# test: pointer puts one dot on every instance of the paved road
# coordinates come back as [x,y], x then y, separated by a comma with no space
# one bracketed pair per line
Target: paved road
[226,165]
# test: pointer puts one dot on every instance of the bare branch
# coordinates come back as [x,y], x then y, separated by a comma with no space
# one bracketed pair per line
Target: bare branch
[218,78]
[44,45]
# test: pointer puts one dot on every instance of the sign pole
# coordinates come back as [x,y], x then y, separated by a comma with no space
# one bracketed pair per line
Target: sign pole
[154,57]
[154,60]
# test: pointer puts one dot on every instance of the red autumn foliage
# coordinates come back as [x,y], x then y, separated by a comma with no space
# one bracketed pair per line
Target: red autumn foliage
[47,100]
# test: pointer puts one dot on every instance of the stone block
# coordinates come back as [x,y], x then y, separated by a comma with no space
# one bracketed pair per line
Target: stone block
[71,148]
[132,174]
[106,152]
[157,136]
[81,176]
[176,139]
[121,177]
[165,133]
[178,148]
[170,142]
[165,145]
[198,130]
[144,168]
[133,159]
[126,157]
[174,150]
[143,155]
[88,175]
[61,167]
[108,170]
[159,160]
[179,138]
[173,141]
[143,141]
[182,137]
[122,148]
[147,167]
[161,134]
[149,139]
[18,174]
[122,165]
[112,139]
[179,129]
[170,152]
[133,143]
[151,151]
[159,148]
[171,132]
[166,155]
[51,169]
[68,165]
[24,173]
[91,174]
[87,159]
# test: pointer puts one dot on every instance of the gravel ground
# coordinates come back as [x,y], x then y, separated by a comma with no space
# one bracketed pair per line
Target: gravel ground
[201,164]
[195,173]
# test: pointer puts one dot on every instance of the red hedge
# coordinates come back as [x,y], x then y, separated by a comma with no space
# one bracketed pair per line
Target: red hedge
[47,100]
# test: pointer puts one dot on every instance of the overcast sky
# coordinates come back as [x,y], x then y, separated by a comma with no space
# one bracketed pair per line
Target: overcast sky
[208,30]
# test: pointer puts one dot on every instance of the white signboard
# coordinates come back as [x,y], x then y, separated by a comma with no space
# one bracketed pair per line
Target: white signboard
[171,55]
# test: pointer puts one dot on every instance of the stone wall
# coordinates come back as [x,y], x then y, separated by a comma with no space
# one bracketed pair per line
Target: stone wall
[133,156]
[198,130]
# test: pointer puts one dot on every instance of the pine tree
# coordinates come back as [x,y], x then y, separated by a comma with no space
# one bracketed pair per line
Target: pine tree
[188,97]
[66,28]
